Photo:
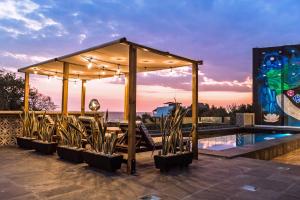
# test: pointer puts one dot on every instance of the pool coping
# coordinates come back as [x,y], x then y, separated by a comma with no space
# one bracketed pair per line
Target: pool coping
[265,150]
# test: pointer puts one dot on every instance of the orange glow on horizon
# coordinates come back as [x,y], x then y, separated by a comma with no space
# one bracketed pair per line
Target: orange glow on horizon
[111,96]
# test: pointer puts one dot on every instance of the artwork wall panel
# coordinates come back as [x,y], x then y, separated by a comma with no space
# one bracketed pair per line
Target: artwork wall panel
[276,85]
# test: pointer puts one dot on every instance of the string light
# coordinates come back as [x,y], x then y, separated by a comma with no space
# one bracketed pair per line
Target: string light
[118,70]
[90,64]
[103,71]
[145,73]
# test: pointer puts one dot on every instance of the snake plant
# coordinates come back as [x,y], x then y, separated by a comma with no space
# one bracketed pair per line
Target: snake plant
[70,130]
[100,140]
[45,130]
[29,124]
[171,129]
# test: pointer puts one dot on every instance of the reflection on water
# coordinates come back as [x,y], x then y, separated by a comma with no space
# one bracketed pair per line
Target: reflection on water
[231,141]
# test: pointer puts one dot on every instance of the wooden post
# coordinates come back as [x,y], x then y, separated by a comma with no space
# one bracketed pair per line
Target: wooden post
[195,109]
[64,99]
[132,110]
[26,92]
[126,98]
[83,92]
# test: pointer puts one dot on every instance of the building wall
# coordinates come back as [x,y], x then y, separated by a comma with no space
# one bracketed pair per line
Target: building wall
[276,85]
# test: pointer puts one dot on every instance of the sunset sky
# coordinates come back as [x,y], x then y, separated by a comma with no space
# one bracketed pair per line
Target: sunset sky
[222,33]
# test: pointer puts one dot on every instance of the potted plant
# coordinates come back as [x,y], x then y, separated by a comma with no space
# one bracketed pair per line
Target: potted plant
[29,125]
[45,131]
[71,132]
[102,147]
[175,151]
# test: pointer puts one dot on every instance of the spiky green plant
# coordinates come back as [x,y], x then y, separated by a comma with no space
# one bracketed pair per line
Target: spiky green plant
[29,124]
[171,128]
[70,130]
[45,130]
[100,140]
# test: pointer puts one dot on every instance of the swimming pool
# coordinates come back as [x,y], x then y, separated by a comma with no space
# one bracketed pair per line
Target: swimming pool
[237,140]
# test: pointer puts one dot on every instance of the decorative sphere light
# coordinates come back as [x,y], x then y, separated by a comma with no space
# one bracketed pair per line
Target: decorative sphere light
[272,58]
[94,105]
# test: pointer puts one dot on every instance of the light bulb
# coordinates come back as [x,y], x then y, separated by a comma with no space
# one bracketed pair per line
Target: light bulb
[90,65]
[35,72]
[118,70]
[103,72]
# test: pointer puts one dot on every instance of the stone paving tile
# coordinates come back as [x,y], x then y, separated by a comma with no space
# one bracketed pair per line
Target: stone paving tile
[27,175]
[260,194]
[12,191]
[294,190]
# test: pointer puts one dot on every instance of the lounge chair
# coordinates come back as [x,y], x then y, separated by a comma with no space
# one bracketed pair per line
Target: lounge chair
[144,141]
[89,124]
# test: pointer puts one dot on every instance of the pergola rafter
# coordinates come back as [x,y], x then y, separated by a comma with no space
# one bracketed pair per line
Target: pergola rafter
[122,58]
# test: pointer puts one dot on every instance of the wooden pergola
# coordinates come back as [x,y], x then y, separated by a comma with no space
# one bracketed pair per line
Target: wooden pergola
[117,58]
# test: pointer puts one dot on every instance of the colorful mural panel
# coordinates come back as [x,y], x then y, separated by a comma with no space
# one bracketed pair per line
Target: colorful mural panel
[276,87]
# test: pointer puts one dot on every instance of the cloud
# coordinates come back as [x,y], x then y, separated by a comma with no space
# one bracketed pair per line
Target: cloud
[181,79]
[13,32]
[82,37]
[23,57]
[28,13]
[209,81]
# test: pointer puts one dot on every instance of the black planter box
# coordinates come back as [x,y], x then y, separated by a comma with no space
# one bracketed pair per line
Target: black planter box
[104,162]
[70,154]
[44,147]
[25,142]
[165,163]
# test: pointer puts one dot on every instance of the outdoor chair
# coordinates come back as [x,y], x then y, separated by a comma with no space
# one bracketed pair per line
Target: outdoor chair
[144,141]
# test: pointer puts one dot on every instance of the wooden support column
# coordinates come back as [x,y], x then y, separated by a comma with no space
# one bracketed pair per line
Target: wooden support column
[131,109]
[64,99]
[26,92]
[195,109]
[126,98]
[83,92]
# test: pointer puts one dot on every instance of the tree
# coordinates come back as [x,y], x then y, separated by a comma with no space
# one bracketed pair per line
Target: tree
[243,108]
[12,94]
[40,102]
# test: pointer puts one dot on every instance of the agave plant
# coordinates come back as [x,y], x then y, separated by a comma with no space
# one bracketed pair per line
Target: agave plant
[29,123]
[70,130]
[99,140]
[45,130]
[171,129]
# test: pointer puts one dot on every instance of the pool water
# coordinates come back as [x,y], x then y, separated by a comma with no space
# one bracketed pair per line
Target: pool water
[237,140]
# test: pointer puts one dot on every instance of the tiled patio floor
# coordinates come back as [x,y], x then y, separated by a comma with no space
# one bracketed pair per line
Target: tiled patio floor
[28,175]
